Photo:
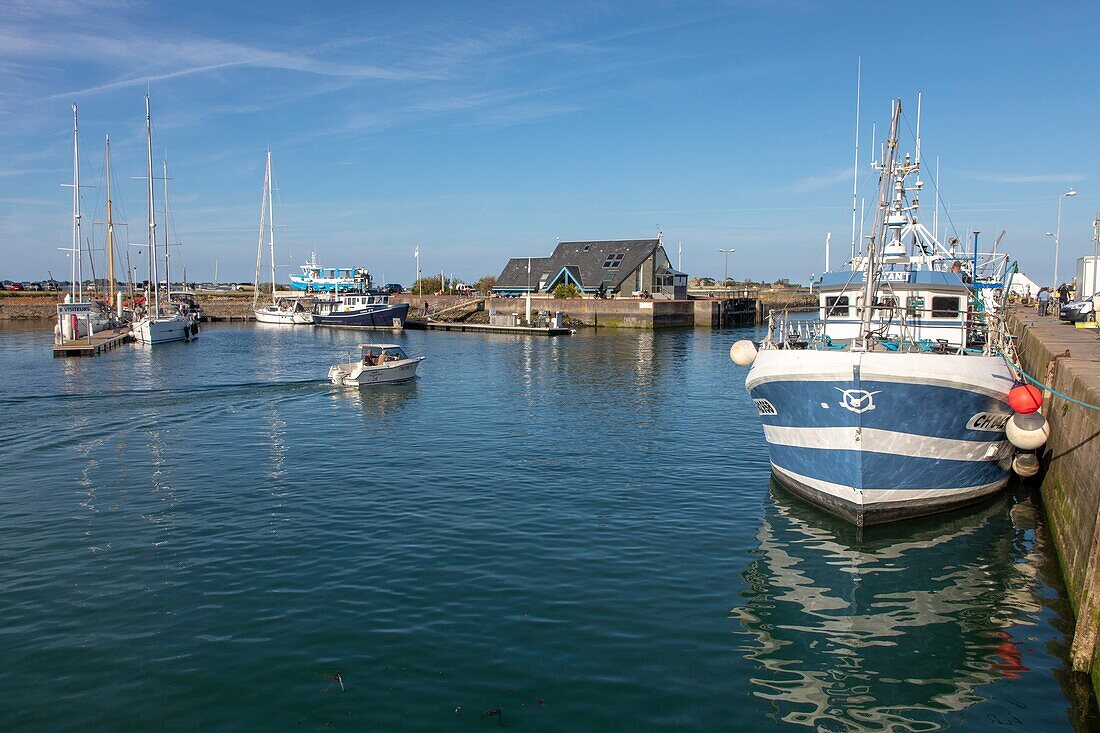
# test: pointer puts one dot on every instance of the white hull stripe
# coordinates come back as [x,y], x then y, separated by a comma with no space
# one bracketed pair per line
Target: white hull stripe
[870,497]
[885,441]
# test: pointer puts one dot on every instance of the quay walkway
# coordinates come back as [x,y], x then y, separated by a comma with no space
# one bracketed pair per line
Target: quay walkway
[1067,359]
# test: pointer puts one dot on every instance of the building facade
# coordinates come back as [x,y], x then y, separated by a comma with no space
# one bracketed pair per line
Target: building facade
[609,268]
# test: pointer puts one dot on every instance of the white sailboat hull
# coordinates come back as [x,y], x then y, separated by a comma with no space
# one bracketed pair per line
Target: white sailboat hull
[283,317]
[165,329]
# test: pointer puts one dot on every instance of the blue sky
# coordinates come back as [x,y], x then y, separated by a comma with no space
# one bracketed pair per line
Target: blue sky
[483,131]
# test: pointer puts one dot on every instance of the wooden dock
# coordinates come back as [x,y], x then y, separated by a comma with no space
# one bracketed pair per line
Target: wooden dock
[94,345]
[431,325]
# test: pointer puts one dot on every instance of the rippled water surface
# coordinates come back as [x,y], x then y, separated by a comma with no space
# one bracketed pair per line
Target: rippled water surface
[574,534]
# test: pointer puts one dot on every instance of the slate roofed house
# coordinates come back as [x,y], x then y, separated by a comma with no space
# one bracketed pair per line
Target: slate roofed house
[622,267]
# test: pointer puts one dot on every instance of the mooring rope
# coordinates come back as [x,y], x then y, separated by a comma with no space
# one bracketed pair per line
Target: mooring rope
[1047,387]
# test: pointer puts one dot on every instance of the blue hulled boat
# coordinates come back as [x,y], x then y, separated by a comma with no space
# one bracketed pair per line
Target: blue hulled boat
[893,403]
[359,310]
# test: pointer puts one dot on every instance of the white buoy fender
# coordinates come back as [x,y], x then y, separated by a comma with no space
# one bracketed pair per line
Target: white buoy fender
[743,353]
[1025,464]
[1027,432]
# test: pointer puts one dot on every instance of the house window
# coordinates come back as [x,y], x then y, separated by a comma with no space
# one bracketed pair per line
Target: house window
[586,247]
[613,260]
[945,307]
[836,306]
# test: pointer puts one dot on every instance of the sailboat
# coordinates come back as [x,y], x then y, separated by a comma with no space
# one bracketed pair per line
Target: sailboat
[78,316]
[285,311]
[158,325]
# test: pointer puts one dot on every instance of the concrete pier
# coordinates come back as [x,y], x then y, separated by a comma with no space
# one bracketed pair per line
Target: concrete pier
[1068,360]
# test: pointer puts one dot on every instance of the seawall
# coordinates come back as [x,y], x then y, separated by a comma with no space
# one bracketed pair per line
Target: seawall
[618,312]
[614,313]
[1068,359]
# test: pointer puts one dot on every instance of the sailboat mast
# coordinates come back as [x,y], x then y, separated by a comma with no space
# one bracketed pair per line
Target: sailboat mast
[167,253]
[154,285]
[77,263]
[260,239]
[110,230]
[271,224]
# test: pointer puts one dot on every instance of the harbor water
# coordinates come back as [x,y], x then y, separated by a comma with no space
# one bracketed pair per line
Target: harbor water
[573,534]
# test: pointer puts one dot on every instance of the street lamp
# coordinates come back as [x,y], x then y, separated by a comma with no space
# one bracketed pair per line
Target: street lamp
[726,275]
[1058,232]
[1095,264]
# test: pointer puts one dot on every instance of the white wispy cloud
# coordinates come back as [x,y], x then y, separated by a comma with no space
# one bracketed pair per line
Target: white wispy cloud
[825,180]
[1025,177]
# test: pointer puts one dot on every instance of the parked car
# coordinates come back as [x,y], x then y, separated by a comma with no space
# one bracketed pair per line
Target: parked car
[1076,311]
[393,289]
[15,286]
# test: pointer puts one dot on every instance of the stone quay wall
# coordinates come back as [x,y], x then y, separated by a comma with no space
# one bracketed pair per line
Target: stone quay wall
[1068,359]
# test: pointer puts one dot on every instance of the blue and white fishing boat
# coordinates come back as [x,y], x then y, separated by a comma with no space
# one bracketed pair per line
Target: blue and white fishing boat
[893,403]
[359,310]
[318,279]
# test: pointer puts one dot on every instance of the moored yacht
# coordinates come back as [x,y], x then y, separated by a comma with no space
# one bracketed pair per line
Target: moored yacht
[282,311]
[160,323]
[359,310]
[79,316]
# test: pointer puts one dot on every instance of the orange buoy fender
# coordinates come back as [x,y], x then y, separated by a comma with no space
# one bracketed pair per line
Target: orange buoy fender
[1025,399]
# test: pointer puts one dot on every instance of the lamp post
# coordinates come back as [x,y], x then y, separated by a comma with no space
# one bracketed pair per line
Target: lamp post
[1058,232]
[1095,266]
[726,272]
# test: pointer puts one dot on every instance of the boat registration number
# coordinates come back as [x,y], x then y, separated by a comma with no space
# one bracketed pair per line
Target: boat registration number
[993,422]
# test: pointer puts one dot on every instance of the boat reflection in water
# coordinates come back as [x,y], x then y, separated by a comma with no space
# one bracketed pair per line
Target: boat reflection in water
[892,630]
[381,401]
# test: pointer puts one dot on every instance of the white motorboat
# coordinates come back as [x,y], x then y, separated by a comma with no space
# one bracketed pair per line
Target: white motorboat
[380,364]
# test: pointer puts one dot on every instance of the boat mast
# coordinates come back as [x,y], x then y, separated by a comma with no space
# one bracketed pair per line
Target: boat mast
[167,255]
[271,225]
[77,263]
[886,177]
[260,241]
[855,174]
[110,230]
[154,285]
